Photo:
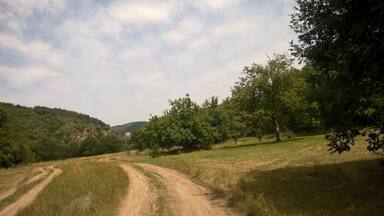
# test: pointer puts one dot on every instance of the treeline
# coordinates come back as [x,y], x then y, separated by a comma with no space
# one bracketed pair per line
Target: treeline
[274,98]
[40,133]
[340,89]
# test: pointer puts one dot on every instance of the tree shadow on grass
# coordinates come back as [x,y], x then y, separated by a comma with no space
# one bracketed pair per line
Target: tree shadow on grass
[351,188]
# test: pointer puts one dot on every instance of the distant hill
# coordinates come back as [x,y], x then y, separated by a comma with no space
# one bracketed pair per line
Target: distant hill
[128,127]
[41,133]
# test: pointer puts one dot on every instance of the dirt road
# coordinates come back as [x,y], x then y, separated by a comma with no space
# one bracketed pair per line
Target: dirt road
[141,194]
[180,195]
[29,196]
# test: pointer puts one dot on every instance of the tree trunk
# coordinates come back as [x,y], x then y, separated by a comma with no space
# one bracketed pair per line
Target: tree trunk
[277,129]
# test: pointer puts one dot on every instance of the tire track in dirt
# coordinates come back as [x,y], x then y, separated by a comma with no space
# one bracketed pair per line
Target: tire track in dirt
[141,195]
[27,198]
[42,172]
[183,197]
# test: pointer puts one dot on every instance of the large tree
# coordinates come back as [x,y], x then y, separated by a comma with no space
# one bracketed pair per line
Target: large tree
[273,91]
[344,41]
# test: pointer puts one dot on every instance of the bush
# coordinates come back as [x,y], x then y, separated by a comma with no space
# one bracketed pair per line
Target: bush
[155,151]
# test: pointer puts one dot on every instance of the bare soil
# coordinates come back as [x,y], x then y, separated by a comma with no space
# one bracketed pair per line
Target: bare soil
[141,195]
[182,196]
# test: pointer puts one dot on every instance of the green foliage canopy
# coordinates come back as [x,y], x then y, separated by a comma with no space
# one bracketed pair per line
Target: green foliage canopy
[184,126]
[344,41]
[274,91]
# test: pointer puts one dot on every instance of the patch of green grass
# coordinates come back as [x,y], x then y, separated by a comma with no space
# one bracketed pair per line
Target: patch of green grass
[85,187]
[294,177]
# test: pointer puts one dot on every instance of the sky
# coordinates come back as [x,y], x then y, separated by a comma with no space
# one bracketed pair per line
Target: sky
[120,61]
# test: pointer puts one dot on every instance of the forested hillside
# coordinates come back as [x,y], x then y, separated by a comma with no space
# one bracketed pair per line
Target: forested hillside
[128,127]
[40,133]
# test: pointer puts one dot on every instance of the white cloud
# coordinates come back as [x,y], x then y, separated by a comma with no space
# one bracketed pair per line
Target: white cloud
[186,29]
[137,53]
[82,40]
[35,49]
[150,80]
[18,11]
[140,12]
[27,7]
[214,4]
[25,77]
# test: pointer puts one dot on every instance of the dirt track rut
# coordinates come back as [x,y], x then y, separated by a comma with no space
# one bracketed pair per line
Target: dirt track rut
[27,198]
[141,195]
[182,197]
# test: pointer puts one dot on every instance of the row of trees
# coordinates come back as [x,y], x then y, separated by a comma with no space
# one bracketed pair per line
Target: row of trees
[266,99]
[51,149]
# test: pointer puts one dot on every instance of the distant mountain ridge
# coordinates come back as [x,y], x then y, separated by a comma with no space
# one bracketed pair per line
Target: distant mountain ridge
[129,127]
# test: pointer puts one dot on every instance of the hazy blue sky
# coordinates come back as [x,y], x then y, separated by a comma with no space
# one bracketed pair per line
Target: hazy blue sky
[119,61]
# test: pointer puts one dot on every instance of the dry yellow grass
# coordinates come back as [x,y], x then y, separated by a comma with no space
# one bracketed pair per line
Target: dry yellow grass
[85,187]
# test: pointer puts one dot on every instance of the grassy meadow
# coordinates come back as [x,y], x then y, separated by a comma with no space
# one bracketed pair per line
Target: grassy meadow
[295,177]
